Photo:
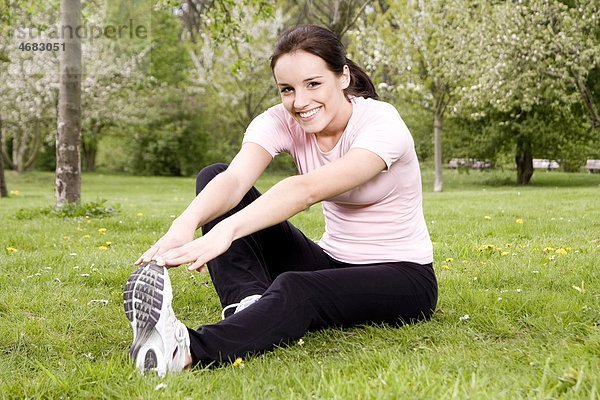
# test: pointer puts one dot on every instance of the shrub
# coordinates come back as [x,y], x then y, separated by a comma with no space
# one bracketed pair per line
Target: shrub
[175,146]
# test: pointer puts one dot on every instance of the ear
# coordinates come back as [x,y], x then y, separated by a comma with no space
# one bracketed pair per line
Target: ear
[345,77]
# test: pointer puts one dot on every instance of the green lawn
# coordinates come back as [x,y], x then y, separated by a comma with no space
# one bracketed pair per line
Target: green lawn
[518,315]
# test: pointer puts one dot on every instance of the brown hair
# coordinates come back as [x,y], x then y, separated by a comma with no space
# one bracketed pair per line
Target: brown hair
[322,43]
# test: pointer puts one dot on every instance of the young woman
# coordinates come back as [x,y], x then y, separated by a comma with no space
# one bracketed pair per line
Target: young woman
[374,262]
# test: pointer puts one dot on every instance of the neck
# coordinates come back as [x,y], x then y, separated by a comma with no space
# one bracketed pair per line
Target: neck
[337,126]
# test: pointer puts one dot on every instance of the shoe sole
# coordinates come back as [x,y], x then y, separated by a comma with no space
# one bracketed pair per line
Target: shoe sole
[143,301]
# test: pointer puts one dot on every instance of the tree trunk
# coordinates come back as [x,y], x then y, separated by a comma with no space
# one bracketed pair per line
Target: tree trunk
[438,182]
[90,149]
[3,189]
[524,161]
[68,139]
[17,149]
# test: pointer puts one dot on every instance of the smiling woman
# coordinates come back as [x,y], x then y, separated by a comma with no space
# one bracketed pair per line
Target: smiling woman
[373,263]
[314,95]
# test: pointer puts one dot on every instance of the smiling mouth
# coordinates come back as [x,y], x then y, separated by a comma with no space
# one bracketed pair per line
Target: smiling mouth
[310,113]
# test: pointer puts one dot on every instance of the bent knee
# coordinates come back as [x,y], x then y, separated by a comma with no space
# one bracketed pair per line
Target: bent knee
[207,173]
[289,282]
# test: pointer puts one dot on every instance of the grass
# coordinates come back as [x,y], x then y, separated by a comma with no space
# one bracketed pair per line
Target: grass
[518,316]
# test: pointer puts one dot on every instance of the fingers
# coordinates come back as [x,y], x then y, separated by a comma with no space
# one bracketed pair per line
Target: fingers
[197,252]
[148,255]
[199,266]
[176,261]
[194,252]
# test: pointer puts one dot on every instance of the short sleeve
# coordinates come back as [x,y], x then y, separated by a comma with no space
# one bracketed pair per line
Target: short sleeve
[386,135]
[270,130]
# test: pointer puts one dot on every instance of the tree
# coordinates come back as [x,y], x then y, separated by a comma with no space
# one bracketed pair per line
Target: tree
[3,189]
[423,48]
[68,139]
[3,59]
[235,80]
[113,83]
[337,15]
[536,62]
[28,85]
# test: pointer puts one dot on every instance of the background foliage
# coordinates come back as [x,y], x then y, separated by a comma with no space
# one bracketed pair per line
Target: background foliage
[508,80]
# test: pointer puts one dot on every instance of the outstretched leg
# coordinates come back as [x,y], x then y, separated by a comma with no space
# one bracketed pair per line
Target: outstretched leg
[303,301]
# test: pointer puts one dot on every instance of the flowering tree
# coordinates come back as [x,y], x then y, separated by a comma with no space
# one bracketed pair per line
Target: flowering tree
[3,189]
[521,73]
[421,48]
[28,90]
[112,92]
[235,77]
[3,59]
[535,75]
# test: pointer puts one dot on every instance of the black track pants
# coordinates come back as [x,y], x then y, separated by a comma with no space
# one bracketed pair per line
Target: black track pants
[302,288]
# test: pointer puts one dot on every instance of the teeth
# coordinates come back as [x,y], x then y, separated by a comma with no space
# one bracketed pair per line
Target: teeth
[310,113]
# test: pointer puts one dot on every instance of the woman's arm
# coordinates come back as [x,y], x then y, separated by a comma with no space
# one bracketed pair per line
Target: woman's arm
[279,203]
[220,195]
[226,190]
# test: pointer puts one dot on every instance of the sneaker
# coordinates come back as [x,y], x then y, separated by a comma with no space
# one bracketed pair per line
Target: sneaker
[244,303]
[160,341]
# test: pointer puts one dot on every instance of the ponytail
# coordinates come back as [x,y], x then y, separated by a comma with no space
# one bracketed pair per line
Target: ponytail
[323,43]
[361,84]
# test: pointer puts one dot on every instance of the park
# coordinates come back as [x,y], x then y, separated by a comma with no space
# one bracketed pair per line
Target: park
[510,196]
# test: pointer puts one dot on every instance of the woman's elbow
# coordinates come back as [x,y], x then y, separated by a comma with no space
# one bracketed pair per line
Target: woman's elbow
[304,191]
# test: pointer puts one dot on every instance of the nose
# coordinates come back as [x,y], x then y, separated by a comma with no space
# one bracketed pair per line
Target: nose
[301,100]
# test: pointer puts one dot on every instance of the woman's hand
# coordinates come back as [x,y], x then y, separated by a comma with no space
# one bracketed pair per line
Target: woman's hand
[201,250]
[178,234]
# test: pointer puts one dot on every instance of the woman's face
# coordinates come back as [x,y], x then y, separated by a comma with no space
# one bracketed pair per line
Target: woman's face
[312,93]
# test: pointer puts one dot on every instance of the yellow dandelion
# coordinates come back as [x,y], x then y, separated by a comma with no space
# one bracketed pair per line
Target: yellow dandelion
[301,342]
[139,214]
[238,362]
[568,248]
[108,243]
[486,247]
[519,221]
[561,251]
[445,266]
[504,253]
[11,250]
[86,236]
[487,217]
[548,249]
[14,193]
[102,231]
[103,248]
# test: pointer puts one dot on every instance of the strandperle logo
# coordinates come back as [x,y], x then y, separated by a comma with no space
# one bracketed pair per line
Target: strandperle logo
[85,31]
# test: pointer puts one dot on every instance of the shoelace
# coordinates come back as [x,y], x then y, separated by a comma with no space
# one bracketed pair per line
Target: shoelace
[245,302]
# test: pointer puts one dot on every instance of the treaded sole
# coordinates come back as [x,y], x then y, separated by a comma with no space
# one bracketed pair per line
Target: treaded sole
[143,300]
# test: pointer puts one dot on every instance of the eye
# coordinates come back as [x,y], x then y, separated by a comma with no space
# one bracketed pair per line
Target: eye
[285,90]
[313,84]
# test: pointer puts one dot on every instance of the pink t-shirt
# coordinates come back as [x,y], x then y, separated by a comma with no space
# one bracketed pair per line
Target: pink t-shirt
[379,221]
